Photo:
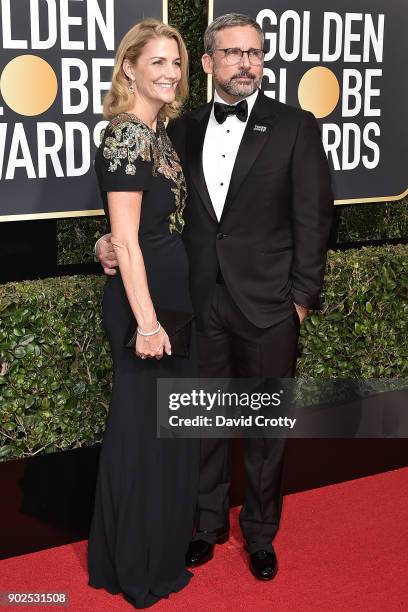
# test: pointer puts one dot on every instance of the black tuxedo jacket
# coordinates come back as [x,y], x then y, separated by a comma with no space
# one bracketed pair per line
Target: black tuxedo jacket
[271,241]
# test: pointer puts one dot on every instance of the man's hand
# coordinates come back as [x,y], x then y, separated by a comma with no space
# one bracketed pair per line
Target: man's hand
[302,312]
[104,251]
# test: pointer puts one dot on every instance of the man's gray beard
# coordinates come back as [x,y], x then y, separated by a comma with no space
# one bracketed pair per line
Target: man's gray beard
[237,90]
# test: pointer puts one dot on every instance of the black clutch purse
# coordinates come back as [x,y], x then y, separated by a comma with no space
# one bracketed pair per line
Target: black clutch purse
[176,324]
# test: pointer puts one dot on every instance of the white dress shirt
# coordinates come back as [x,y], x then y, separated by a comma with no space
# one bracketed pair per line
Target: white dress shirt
[221,144]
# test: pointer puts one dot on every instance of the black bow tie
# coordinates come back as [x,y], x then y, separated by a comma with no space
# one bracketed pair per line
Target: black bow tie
[221,111]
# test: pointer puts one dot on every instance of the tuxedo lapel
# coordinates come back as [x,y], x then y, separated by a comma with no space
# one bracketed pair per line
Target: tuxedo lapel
[259,126]
[195,139]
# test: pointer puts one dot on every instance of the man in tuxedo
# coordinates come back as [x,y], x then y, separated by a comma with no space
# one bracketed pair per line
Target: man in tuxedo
[258,219]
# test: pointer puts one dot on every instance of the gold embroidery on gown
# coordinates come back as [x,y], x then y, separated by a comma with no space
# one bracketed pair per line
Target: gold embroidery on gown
[128,138]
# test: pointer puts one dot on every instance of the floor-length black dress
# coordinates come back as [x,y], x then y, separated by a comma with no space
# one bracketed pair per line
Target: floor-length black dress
[147,486]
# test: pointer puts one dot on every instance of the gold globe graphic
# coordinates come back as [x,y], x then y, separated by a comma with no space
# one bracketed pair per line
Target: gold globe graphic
[28,85]
[319,91]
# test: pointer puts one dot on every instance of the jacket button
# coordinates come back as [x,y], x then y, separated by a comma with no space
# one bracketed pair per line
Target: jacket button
[220,236]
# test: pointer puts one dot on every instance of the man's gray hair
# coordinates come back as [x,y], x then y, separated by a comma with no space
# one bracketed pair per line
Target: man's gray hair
[230,20]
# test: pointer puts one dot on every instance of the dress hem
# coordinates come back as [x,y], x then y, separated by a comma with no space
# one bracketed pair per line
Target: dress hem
[151,598]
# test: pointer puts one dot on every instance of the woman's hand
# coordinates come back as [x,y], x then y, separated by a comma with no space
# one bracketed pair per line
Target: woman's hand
[153,346]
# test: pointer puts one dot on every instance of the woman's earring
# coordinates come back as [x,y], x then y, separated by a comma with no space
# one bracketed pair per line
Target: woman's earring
[131,87]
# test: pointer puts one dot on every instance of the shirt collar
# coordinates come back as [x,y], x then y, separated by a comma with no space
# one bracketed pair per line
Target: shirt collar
[250,100]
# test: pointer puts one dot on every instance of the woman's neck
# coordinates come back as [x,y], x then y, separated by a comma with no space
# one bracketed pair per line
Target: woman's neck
[148,113]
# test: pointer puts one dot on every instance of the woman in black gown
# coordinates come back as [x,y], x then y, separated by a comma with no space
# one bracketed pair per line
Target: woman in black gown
[146,487]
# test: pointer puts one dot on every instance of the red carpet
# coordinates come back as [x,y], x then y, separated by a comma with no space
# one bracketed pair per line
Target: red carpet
[340,548]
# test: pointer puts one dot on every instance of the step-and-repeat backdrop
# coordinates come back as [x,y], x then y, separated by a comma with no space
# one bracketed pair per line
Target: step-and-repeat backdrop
[56,59]
[347,64]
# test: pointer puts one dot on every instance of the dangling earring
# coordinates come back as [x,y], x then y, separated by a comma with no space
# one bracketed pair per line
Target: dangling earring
[131,87]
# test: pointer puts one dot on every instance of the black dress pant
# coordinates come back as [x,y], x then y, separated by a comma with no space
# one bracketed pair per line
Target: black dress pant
[231,346]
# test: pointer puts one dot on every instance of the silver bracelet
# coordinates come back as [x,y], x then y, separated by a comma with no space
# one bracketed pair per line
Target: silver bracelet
[152,333]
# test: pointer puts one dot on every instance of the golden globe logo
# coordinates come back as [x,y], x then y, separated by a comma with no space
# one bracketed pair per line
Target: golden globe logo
[355,39]
[28,73]
[52,83]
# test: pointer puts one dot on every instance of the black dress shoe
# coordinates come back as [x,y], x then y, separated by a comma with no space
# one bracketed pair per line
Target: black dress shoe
[200,551]
[263,564]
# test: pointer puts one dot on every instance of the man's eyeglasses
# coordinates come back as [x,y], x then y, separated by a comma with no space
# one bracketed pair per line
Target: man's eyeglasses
[234,55]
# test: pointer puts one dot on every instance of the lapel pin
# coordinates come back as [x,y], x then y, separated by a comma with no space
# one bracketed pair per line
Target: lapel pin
[260,128]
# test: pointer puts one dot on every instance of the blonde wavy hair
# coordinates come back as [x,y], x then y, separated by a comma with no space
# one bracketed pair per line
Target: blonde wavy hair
[119,99]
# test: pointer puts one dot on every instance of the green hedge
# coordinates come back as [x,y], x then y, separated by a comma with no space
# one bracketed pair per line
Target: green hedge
[55,365]
[382,220]
[55,361]
[361,331]
[76,238]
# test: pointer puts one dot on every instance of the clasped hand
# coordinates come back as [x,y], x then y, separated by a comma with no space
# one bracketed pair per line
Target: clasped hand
[153,346]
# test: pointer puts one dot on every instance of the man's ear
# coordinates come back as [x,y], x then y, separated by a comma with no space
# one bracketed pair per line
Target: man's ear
[207,63]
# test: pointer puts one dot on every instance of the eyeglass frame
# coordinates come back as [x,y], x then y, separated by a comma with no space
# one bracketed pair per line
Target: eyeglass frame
[242,54]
